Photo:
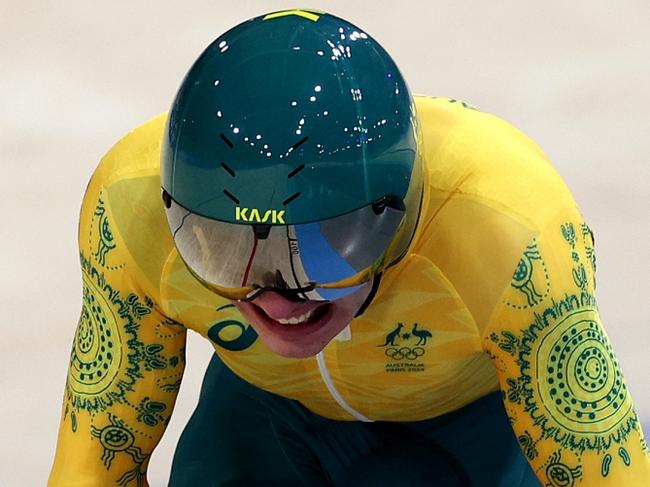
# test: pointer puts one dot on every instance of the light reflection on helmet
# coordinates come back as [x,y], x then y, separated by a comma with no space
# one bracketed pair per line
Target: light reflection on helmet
[287,120]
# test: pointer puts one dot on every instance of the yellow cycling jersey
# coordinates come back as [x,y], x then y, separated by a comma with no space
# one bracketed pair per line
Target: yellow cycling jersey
[496,292]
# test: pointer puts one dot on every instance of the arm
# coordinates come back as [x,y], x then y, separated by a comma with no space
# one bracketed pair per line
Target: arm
[126,364]
[563,388]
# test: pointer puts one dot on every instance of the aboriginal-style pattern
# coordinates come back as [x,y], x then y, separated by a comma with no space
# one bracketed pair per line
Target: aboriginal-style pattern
[530,279]
[561,474]
[110,356]
[579,272]
[568,382]
[104,364]
[171,383]
[100,236]
[588,238]
[151,412]
[528,445]
[117,438]
[574,388]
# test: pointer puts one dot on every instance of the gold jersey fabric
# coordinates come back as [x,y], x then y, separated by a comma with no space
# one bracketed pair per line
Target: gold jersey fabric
[496,292]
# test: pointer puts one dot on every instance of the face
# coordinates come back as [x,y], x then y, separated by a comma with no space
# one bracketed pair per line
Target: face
[300,329]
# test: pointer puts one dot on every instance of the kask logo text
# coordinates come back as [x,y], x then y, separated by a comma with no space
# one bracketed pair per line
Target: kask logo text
[254,215]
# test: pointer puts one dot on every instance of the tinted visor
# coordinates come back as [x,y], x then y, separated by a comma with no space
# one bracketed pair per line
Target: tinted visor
[339,253]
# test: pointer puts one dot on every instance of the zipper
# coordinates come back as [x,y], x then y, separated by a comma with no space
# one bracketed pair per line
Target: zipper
[324,373]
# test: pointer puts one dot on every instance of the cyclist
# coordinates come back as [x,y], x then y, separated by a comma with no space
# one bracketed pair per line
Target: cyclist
[399,290]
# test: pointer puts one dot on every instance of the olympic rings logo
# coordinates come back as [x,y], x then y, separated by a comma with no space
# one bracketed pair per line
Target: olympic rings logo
[404,353]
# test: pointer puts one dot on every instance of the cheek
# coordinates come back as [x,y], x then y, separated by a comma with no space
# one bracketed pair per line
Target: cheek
[351,304]
[343,312]
[341,317]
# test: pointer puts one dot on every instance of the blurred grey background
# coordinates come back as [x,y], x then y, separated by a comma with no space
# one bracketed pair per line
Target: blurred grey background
[77,75]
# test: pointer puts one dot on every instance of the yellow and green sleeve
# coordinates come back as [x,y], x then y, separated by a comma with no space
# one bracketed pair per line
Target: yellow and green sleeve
[126,363]
[563,389]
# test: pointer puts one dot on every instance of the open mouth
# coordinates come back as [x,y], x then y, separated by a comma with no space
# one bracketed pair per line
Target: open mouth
[309,320]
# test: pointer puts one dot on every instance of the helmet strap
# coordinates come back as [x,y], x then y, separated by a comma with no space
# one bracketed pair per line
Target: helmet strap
[371,295]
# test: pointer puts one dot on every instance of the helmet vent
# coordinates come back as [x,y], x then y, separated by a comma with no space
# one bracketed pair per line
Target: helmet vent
[299,143]
[291,198]
[231,196]
[227,141]
[295,171]
[228,169]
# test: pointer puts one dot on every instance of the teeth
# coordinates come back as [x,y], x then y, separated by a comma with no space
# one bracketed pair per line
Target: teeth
[295,320]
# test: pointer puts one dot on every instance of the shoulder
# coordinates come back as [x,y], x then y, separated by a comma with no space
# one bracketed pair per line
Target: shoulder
[480,156]
[489,191]
[122,225]
[137,151]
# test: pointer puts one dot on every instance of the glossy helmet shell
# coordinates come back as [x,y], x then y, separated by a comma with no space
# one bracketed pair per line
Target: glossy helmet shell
[300,112]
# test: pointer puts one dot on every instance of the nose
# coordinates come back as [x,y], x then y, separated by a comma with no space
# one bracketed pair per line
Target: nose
[281,287]
[279,281]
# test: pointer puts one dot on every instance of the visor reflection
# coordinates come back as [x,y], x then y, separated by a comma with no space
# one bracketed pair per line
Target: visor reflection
[323,260]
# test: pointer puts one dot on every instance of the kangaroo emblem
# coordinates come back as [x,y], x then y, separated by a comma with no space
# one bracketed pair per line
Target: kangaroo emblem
[423,335]
[390,338]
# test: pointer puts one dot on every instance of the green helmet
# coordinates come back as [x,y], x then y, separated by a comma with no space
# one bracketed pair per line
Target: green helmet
[295,131]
